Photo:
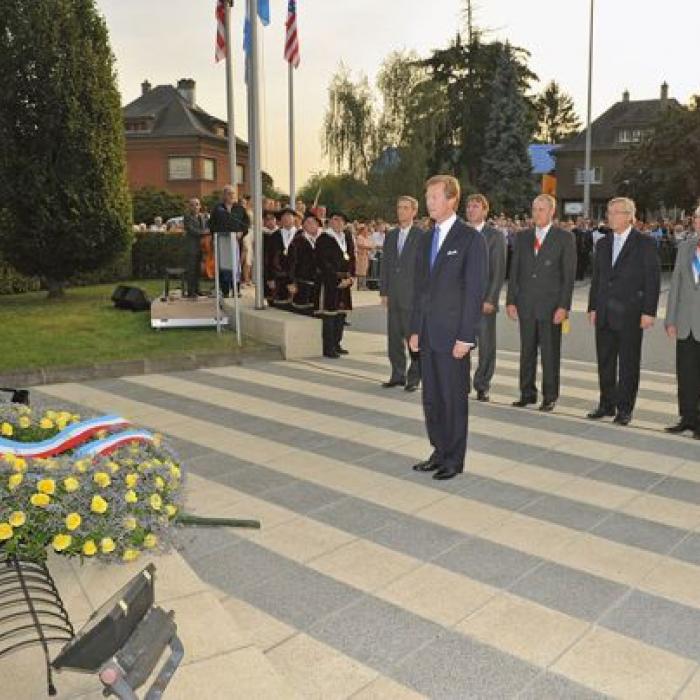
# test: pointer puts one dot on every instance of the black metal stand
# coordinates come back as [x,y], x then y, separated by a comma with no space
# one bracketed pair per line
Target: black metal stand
[31,610]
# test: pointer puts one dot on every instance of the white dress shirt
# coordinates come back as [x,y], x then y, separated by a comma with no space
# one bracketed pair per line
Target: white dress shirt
[479,227]
[619,240]
[541,233]
[444,229]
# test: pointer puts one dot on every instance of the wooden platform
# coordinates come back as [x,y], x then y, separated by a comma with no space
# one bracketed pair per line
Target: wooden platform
[181,312]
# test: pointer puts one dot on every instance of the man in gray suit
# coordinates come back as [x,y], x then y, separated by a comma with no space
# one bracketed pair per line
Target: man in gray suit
[683,324]
[540,289]
[477,211]
[396,292]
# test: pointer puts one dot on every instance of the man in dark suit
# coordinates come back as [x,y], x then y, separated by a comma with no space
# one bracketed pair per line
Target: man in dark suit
[195,228]
[622,304]
[540,288]
[451,274]
[477,211]
[396,286]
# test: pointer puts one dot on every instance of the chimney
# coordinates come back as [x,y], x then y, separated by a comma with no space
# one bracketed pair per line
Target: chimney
[664,91]
[145,87]
[626,96]
[186,88]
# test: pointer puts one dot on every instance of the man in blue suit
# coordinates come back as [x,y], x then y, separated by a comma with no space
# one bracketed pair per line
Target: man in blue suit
[450,285]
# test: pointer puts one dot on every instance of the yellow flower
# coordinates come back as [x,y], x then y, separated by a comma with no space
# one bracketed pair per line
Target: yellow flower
[6,430]
[76,418]
[51,415]
[14,481]
[130,523]
[98,505]
[73,521]
[17,518]
[175,472]
[40,499]
[61,542]
[24,421]
[64,416]
[5,531]
[80,466]
[113,466]
[70,484]
[150,541]
[19,464]
[107,545]
[130,554]
[156,501]
[60,424]
[160,483]
[102,479]
[131,480]
[130,496]
[170,509]
[134,447]
[89,548]
[46,424]
[47,486]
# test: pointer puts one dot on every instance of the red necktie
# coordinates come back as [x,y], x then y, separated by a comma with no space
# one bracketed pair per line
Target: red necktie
[538,244]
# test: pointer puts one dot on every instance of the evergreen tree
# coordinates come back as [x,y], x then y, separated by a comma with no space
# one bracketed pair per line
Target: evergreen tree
[556,114]
[506,174]
[64,203]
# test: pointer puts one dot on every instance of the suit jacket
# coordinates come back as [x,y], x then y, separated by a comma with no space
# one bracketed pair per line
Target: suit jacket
[397,272]
[541,283]
[448,299]
[496,244]
[683,307]
[194,226]
[621,294]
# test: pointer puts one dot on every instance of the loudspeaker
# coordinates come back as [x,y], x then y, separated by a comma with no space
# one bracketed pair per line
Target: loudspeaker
[131,298]
[18,395]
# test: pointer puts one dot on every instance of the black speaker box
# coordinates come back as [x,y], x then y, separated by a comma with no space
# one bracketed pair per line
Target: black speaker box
[131,298]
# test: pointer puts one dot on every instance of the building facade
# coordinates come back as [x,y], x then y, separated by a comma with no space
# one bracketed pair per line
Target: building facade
[613,134]
[174,145]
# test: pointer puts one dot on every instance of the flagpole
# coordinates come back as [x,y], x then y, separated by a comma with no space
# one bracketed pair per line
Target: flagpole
[229,99]
[254,150]
[292,179]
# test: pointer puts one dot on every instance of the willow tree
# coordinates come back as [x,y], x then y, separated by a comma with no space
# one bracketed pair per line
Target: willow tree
[349,135]
[64,204]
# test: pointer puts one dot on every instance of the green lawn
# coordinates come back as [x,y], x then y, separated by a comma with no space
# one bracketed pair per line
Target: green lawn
[84,328]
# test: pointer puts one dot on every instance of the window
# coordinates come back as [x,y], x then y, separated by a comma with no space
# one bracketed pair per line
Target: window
[137,125]
[179,168]
[240,173]
[629,135]
[209,169]
[596,176]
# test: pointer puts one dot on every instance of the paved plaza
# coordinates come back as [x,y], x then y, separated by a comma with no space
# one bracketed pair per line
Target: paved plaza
[565,563]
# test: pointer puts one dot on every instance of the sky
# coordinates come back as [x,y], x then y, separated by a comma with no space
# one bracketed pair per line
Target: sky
[637,45]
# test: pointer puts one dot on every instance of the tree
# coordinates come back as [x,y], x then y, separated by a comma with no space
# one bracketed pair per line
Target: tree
[664,170]
[350,132]
[148,202]
[62,141]
[556,115]
[506,170]
[344,192]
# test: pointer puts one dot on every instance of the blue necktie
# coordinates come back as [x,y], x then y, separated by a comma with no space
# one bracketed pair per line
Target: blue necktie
[696,263]
[434,247]
[401,241]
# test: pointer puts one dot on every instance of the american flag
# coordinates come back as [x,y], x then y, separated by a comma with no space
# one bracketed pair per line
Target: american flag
[291,46]
[220,14]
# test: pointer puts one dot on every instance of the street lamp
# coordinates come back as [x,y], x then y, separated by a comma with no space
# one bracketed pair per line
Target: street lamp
[587,165]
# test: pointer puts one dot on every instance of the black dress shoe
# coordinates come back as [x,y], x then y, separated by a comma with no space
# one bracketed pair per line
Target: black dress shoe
[443,474]
[412,386]
[679,427]
[600,412]
[332,354]
[426,466]
[482,395]
[341,351]
[547,406]
[393,382]
[521,403]
[696,433]
[622,418]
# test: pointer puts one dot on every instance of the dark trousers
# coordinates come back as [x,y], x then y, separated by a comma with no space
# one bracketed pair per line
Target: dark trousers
[332,332]
[546,336]
[688,374]
[446,406]
[619,354]
[487,353]
[398,321]
[193,262]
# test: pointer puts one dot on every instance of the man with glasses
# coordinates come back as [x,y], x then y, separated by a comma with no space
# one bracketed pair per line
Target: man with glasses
[622,304]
